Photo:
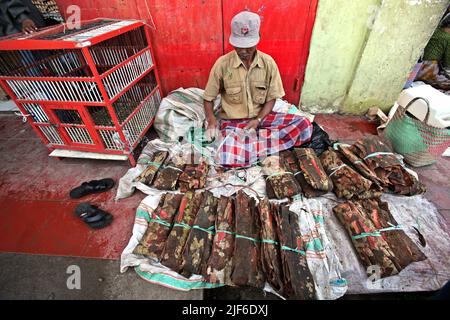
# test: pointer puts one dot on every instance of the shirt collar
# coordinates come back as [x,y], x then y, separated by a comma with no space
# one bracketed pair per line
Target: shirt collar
[237,62]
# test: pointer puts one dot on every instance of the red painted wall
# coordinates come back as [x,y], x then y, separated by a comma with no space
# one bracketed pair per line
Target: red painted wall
[191,35]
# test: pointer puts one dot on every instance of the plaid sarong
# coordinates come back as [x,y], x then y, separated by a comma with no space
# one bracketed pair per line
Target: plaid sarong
[277,132]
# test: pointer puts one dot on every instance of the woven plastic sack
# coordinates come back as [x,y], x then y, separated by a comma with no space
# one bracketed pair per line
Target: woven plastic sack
[420,143]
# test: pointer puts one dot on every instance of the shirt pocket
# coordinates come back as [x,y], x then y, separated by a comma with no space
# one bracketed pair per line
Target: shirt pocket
[259,92]
[234,94]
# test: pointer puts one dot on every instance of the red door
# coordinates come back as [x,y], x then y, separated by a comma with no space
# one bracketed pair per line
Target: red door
[285,35]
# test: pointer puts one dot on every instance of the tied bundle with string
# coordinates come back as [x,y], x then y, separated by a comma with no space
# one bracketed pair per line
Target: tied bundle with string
[172,256]
[220,263]
[280,182]
[247,254]
[199,243]
[148,175]
[298,282]
[168,175]
[159,226]
[377,237]
[347,182]
[308,171]
[385,165]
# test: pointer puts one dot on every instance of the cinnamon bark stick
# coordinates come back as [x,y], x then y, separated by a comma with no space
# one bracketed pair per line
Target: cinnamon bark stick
[220,263]
[247,263]
[148,175]
[270,252]
[154,239]
[172,256]
[198,245]
[298,281]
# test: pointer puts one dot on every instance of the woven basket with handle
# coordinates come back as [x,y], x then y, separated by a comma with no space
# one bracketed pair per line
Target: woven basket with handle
[420,143]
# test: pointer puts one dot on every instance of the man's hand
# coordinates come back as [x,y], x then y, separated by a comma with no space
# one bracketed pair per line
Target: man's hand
[252,124]
[212,129]
[28,26]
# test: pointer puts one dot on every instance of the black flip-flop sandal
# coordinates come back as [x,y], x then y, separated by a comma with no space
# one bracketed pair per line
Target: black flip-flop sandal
[93,186]
[93,216]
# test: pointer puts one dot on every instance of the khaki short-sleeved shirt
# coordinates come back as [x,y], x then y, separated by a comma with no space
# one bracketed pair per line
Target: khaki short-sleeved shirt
[243,91]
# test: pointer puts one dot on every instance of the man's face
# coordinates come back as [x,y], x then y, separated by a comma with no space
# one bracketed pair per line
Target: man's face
[245,53]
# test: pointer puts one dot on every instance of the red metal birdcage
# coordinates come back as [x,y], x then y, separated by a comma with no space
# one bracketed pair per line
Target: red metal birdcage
[91,92]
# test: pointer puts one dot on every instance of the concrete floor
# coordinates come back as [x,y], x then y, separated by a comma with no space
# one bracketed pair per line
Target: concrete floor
[40,237]
[27,276]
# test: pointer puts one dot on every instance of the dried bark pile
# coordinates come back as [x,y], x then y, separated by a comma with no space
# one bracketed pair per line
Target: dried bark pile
[148,175]
[375,236]
[230,240]
[193,177]
[280,182]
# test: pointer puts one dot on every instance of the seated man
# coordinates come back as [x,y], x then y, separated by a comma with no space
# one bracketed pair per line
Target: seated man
[249,82]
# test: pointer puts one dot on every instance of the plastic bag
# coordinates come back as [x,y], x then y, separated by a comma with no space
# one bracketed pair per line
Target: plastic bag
[320,141]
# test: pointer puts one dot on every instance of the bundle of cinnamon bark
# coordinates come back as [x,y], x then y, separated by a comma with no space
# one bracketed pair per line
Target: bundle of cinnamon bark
[168,175]
[164,173]
[220,263]
[148,175]
[229,240]
[361,171]
[280,180]
[375,161]
[247,269]
[347,182]
[295,276]
[172,256]
[310,173]
[294,172]
[377,237]
[159,226]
